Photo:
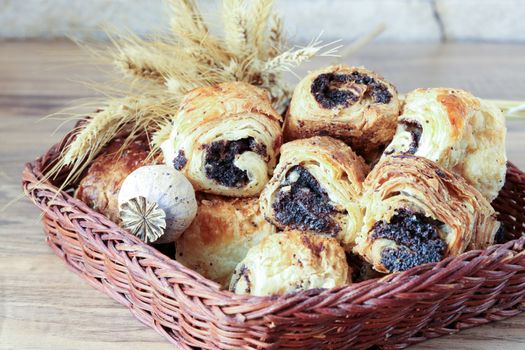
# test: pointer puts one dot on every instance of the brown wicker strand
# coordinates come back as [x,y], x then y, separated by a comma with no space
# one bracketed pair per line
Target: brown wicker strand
[396,311]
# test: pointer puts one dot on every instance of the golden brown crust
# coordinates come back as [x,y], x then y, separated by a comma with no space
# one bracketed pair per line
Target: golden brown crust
[226,139]
[332,175]
[431,196]
[228,98]
[291,261]
[220,235]
[362,117]
[457,130]
[100,185]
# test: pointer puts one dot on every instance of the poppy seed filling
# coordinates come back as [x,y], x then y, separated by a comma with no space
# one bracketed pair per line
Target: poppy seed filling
[243,274]
[417,238]
[415,130]
[328,90]
[302,204]
[180,160]
[220,156]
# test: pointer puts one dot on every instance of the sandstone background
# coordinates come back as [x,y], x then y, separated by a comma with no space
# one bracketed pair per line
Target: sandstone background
[405,20]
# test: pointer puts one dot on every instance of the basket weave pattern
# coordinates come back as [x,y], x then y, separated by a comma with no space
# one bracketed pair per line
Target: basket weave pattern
[192,312]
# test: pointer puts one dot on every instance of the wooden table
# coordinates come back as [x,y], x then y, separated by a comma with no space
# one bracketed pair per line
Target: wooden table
[44,306]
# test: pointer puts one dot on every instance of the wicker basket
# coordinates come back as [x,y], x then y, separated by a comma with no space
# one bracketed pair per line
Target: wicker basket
[192,312]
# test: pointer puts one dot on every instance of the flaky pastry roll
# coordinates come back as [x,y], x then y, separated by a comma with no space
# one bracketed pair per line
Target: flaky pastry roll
[220,236]
[226,139]
[417,212]
[291,261]
[457,130]
[315,188]
[353,104]
[101,183]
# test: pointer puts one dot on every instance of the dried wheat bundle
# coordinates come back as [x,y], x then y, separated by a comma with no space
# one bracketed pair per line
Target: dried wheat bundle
[137,114]
[252,49]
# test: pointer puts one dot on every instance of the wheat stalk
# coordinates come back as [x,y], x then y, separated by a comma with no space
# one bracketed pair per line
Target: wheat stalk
[276,40]
[251,50]
[90,135]
[136,62]
[511,109]
[258,27]
[186,21]
[294,57]
[235,27]
[361,42]
[189,29]
[161,135]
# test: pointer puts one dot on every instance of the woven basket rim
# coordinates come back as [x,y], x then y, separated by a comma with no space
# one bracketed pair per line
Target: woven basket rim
[413,279]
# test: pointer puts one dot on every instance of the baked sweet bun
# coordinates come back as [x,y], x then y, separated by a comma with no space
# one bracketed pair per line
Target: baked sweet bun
[100,185]
[353,104]
[417,212]
[220,236]
[226,139]
[291,261]
[457,130]
[315,188]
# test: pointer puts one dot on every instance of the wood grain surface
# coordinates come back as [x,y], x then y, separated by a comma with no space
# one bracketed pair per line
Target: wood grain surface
[44,306]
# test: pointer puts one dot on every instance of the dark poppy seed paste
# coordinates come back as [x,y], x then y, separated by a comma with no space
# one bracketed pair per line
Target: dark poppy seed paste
[328,89]
[499,237]
[303,205]
[417,237]
[415,130]
[220,156]
[180,160]
[243,273]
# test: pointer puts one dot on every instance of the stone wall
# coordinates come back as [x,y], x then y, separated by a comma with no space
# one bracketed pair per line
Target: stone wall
[405,20]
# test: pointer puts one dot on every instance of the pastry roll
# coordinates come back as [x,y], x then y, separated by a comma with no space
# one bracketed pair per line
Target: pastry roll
[291,261]
[457,130]
[417,212]
[220,236]
[101,183]
[315,188]
[226,139]
[353,104]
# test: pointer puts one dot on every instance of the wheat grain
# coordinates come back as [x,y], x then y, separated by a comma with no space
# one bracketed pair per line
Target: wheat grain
[163,69]
[258,27]
[161,135]
[276,41]
[235,24]
[292,58]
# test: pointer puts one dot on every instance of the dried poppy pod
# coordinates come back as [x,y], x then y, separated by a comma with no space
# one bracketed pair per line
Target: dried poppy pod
[157,203]
[353,104]
[457,130]
[291,261]
[225,139]
[417,212]
[315,188]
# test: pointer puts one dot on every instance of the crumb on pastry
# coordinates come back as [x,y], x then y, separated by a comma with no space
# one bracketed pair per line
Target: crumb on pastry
[328,90]
[220,157]
[302,204]
[417,239]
